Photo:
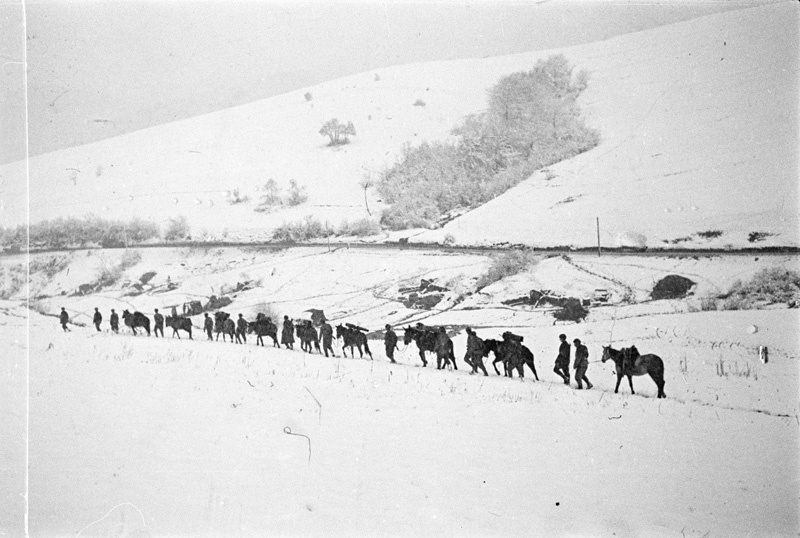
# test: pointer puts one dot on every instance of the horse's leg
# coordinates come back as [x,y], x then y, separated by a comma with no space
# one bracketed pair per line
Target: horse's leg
[422,357]
[659,381]
[533,369]
[630,382]
[494,365]
[619,379]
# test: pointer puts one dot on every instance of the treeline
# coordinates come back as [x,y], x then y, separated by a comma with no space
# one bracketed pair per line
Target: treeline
[76,233]
[532,121]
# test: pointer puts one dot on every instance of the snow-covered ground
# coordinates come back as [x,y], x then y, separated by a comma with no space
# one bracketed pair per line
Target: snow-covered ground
[175,437]
[698,122]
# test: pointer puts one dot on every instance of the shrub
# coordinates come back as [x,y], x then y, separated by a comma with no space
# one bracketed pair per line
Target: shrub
[297,194]
[419,102]
[49,266]
[177,229]
[710,234]
[770,285]
[672,287]
[271,197]
[506,264]
[76,233]
[337,131]
[359,228]
[293,232]
[235,197]
[755,237]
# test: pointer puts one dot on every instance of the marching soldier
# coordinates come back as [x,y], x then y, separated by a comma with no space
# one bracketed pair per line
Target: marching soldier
[159,323]
[287,334]
[390,341]
[581,364]
[64,319]
[97,318]
[562,360]
[474,352]
[326,334]
[114,321]
[208,325]
[241,330]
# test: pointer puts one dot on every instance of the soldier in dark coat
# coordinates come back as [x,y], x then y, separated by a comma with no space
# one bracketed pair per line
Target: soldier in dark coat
[208,325]
[581,364]
[562,360]
[114,321]
[97,319]
[326,335]
[64,319]
[159,323]
[287,334]
[390,341]
[474,352]
[241,330]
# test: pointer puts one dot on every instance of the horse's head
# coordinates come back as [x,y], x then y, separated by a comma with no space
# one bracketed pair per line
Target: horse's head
[125,314]
[408,335]
[340,331]
[607,353]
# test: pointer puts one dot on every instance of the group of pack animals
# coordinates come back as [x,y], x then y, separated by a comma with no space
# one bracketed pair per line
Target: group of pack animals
[509,351]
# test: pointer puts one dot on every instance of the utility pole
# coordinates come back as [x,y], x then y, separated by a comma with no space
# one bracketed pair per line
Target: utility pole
[598,236]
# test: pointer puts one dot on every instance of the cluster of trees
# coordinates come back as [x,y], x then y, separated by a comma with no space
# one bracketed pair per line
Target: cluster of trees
[78,232]
[532,120]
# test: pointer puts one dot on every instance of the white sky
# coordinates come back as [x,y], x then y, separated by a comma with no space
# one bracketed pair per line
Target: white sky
[97,70]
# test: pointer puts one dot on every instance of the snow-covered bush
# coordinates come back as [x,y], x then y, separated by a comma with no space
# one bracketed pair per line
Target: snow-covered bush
[506,264]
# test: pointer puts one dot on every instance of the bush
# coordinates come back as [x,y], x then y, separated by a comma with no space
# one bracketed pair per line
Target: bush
[532,121]
[359,228]
[755,237]
[419,102]
[710,234]
[297,194]
[338,132]
[309,228]
[77,233]
[177,229]
[236,197]
[506,264]
[768,286]
[672,287]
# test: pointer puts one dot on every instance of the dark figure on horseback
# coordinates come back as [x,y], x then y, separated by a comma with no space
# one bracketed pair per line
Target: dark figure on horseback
[562,360]
[208,325]
[390,342]
[97,319]
[581,364]
[475,352]
[63,318]
[262,327]
[326,335]
[158,323]
[353,337]
[308,335]
[114,321]
[287,334]
[241,330]
[629,363]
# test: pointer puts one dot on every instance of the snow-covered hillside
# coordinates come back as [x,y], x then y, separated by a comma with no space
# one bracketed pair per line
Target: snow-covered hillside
[139,436]
[698,121]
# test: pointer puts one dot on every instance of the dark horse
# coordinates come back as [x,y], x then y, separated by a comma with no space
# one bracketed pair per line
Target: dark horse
[629,363]
[263,326]
[137,319]
[426,341]
[307,335]
[352,337]
[509,359]
[184,324]
[225,325]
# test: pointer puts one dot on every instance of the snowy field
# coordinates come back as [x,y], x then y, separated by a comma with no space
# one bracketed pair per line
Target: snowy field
[137,436]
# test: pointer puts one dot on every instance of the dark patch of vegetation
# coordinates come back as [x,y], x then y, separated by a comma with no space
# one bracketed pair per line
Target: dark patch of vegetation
[177,229]
[294,232]
[572,310]
[755,237]
[533,120]
[672,287]
[419,102]
[710,234]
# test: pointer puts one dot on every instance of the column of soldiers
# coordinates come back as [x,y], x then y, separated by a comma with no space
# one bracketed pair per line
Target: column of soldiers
[473,357]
